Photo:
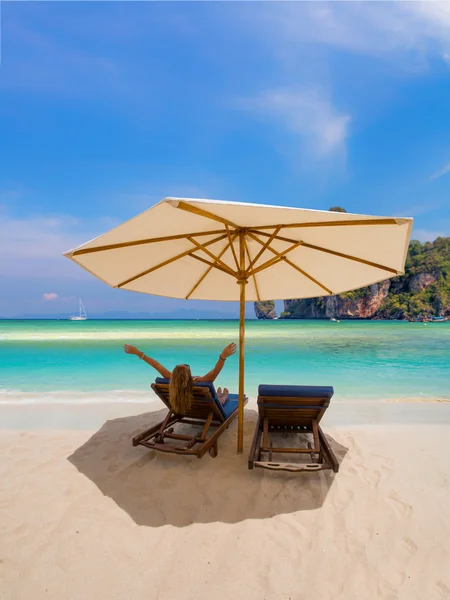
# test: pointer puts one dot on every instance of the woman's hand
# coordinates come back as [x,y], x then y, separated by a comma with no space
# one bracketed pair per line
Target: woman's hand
[228,350]
[131,349]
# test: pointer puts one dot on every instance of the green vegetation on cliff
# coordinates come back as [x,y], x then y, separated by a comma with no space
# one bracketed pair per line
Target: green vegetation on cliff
[424,289]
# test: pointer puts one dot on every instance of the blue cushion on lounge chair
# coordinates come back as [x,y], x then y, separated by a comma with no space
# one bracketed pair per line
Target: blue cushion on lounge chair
[302,391]
[230,405]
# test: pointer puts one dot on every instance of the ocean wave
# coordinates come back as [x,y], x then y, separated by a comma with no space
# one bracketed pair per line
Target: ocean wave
[8,396]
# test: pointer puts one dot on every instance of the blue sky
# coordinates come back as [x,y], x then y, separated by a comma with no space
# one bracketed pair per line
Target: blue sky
[105,108]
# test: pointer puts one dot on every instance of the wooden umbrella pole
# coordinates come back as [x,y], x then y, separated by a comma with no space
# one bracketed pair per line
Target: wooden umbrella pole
[242,283]
[240,445]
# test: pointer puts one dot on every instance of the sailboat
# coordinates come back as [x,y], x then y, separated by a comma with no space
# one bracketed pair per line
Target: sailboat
[82,314]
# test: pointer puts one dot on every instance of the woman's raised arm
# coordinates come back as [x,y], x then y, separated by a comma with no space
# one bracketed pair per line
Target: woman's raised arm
[211,375]
[150,361]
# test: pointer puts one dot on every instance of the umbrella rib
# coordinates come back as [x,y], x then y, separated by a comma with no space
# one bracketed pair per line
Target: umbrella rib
[166,262]
[254,276]
[291,264]
[334,252]
[266,265]
[212,264]
[278,258]
[166,238]
[208,270]
[232,246]
[265,245]
[342,223]
[204,213]
[294,266]
[354,258]
[277,237]
[213,256]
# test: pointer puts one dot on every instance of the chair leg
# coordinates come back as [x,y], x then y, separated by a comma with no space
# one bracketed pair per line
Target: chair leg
[213,451]
[315,429]
[201,437]
[204,433]
[265,444]
[159,437]
[255,447]
[328,452]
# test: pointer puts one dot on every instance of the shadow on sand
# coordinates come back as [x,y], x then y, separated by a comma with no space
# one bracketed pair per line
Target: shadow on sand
[158,489]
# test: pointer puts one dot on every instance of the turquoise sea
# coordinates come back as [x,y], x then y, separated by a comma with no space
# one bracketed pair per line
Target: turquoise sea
[361,359]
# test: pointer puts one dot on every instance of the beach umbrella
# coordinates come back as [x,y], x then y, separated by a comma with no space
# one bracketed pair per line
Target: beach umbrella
[214,250]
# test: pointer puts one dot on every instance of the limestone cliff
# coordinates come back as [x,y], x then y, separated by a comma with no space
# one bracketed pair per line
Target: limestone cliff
[363,304]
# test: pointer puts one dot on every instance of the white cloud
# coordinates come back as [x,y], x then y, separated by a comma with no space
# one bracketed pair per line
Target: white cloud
[308,114]
[440,173]
[295,34]
[426,235]
[32,246]
[373,28]
[425,207]
[34,238]
[50,297]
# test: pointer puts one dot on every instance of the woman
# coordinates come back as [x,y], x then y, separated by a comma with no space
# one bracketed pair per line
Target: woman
[181,379]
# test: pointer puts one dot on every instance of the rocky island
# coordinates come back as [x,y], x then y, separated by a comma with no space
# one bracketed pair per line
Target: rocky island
[265,310]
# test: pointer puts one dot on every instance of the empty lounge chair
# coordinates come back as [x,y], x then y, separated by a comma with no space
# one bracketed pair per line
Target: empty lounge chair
[292,409]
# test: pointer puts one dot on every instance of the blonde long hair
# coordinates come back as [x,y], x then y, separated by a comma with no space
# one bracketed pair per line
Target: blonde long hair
[180,389]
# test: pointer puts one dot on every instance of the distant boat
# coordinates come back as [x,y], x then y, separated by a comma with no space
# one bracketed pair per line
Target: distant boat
[335,320]
[82,314]
[437,319]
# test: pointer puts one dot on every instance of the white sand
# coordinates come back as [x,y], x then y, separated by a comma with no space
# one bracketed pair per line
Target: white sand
[84,515]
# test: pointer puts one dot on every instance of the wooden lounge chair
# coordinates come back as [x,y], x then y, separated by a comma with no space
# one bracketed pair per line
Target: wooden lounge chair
[292,409]
[206,411]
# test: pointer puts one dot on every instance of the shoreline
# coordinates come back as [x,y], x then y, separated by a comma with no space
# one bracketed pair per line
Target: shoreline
[144,396]
[91,415]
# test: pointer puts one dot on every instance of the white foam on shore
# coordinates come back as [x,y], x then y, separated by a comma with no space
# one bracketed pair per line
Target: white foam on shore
[417,399]
[77,397]
[132,396]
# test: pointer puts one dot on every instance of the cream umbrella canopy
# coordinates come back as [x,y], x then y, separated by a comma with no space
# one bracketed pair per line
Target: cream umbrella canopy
[213,250]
